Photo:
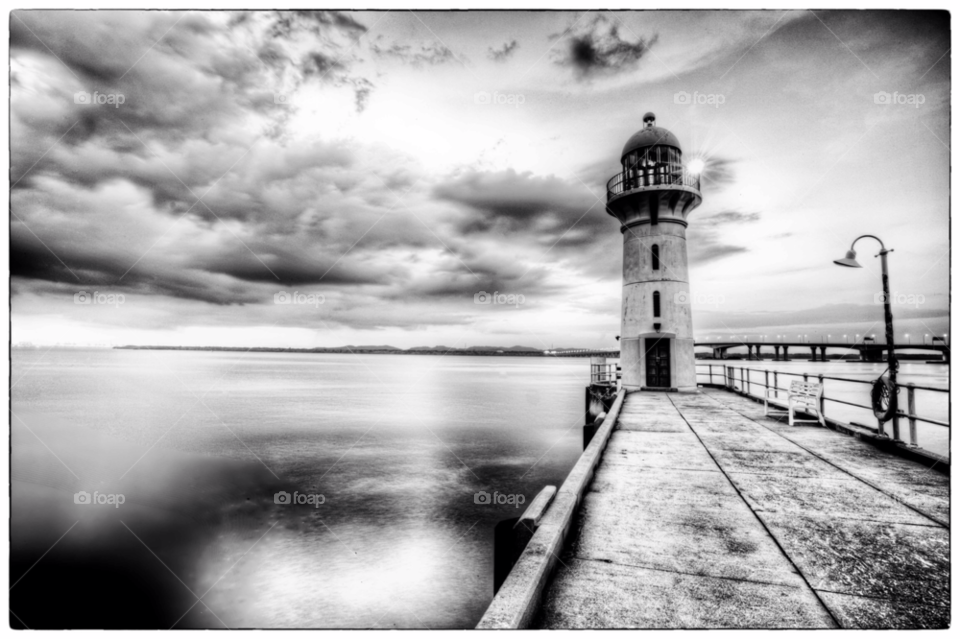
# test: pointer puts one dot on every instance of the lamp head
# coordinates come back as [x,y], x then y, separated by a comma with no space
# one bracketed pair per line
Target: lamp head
[850,260]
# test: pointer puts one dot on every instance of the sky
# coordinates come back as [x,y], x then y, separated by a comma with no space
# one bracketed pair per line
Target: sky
[324,178]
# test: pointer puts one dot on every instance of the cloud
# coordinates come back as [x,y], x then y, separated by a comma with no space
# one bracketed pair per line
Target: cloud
[705,240]
[597,49]
[420,55]
[286,23]
[549,208]
[724,218]
[504,52]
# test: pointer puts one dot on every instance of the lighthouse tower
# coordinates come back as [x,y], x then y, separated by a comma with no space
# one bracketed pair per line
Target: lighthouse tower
[652,196]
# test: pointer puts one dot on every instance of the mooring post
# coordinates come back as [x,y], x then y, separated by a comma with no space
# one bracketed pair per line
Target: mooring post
[912,415]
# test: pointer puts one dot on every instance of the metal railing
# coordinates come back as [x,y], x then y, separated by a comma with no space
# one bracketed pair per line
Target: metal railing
[602,372]
[729,376]
[676,176]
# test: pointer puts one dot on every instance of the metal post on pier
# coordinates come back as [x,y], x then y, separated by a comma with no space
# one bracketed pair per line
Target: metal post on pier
[911,415]
[776,385]
[823,393]
[766,383]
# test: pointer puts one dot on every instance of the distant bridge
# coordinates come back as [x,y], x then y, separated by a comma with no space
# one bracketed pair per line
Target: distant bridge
[581,352]
[869,351]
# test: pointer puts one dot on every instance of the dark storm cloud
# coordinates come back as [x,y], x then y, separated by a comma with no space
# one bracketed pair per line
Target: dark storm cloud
[286,23]
[597,48]
[288,269]
[81,267]
[509,202]
[504,52]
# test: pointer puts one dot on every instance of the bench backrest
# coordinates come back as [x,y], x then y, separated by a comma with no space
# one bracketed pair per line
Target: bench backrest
[806,389]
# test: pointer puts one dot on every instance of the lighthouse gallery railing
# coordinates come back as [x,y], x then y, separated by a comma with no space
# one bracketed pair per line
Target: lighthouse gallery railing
[675,176]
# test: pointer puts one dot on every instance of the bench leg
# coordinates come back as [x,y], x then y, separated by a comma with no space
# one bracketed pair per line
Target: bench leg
[791,409]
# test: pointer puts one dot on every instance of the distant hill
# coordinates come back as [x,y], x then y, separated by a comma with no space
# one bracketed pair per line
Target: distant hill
[433,348]
[519,349]
[351,347]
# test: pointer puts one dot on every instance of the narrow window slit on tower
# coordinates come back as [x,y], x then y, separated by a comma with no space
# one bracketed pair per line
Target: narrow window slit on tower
[656,257]
[656,303]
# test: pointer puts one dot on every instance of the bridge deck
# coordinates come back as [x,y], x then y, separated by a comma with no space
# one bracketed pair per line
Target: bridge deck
[705,514]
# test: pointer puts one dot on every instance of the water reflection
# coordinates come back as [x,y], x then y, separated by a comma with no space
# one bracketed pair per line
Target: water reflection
[397,445]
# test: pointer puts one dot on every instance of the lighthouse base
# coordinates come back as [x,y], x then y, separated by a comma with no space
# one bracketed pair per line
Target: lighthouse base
[658,362]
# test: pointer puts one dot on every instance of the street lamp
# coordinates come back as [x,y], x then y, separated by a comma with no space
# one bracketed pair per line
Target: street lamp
[851,261]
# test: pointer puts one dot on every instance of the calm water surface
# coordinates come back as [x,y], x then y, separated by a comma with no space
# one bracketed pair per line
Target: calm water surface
[397,445]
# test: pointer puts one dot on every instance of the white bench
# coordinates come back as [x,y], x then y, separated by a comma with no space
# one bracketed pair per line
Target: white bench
[803,396]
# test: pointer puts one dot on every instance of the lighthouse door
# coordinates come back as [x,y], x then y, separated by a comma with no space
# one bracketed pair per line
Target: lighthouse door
[658,363]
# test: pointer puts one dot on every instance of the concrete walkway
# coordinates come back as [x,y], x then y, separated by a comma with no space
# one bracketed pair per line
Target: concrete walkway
[705,514]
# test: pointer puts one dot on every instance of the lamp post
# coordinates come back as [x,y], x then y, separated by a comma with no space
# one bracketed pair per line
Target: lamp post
[851,261]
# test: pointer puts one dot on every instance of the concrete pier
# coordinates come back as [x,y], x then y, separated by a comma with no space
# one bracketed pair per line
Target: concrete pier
[703,513]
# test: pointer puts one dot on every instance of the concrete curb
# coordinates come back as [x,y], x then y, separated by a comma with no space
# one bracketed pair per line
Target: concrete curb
[518,600]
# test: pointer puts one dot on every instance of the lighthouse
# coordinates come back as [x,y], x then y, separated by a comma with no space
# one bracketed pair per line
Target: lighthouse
[652,196]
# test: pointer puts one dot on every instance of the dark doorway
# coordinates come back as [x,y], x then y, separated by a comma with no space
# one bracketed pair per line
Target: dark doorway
[658,362]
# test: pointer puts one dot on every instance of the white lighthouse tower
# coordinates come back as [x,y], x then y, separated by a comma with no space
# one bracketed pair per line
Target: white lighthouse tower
[651,197]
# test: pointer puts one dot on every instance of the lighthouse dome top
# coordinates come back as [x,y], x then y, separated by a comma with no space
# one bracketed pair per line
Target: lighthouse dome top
[650,135]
